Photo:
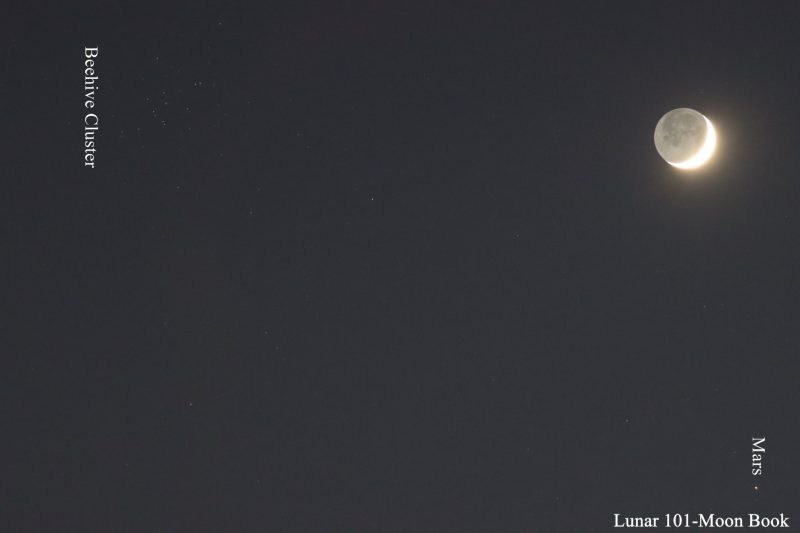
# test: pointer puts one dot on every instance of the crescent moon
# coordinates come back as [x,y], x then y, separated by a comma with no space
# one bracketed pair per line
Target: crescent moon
[705,153]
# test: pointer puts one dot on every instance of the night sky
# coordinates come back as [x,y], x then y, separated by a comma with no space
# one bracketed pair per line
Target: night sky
[397,267]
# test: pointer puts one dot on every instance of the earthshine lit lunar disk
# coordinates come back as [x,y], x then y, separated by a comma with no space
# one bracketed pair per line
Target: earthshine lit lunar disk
[685,138]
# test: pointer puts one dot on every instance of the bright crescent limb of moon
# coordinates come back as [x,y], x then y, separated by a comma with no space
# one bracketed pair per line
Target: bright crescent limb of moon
[704,154]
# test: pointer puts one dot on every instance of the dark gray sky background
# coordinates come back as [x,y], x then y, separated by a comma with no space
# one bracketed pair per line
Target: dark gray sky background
[397,266]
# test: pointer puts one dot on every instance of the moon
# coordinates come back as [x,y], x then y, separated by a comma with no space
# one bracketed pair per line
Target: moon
[685,138]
